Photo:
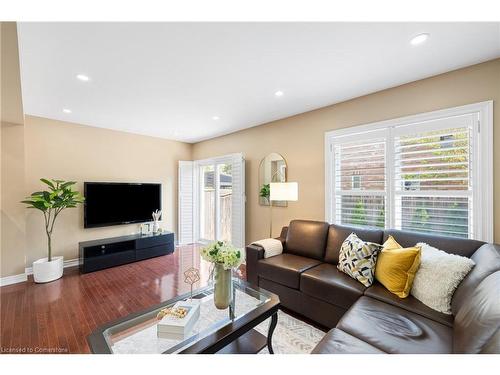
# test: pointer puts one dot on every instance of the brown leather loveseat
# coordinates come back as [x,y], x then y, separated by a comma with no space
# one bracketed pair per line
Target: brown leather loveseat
[373,320]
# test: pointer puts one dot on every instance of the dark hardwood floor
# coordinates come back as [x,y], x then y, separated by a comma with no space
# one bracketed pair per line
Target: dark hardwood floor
[57,317]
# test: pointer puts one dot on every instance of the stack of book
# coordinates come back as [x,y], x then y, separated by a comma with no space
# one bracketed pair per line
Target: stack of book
[178,321]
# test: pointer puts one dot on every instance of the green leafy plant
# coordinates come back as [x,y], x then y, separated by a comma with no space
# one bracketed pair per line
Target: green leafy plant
[359,215]
[51,202]
[265,191]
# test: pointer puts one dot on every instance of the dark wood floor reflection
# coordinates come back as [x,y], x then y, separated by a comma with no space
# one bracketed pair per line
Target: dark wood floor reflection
[57,317]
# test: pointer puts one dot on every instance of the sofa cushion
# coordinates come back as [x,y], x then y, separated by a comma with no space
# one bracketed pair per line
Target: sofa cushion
[487,259]
[358,259]
[337,341]
[327,283]
[337,235]
[493,345]
[307,238]
[459,246]
[285,269]
[438,277]
[478,320]
[395,330]
[409,303]
[397,266]
[318,311]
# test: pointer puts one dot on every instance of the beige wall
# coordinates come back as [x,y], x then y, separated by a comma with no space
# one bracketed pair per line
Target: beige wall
[12,105]
[56,149]
[12,217]
[300,139]
[12,256]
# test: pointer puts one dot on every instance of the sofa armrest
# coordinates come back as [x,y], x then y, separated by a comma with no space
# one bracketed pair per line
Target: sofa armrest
[282,237]
[253,254]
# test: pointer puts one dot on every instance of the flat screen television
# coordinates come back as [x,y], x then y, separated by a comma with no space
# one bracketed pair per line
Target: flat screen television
[115,203]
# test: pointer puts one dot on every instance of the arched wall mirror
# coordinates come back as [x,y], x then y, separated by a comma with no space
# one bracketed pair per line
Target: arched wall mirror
[272,168]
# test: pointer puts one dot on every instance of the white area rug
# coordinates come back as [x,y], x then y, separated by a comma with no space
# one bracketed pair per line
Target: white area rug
[291,336]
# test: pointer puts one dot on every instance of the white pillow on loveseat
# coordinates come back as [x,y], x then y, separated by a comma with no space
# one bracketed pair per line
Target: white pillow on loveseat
[439,275]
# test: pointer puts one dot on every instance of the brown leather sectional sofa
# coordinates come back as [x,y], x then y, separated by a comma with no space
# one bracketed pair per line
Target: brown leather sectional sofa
[373,320]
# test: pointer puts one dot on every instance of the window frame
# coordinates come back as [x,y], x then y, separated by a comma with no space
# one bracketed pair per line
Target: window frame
[482,153]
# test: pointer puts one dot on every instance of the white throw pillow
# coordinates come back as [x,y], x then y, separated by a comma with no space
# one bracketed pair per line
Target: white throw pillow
[437,278]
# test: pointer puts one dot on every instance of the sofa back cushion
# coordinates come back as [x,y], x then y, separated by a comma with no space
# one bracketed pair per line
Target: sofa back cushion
[478,319]
[337,235]
[487,259]
[306,238]
[452,245]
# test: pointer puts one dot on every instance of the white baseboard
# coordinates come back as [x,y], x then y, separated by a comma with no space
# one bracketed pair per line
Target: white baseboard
[14,279]
[67,263]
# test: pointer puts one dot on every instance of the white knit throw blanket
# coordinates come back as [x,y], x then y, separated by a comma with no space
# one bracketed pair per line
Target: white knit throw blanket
[271,246]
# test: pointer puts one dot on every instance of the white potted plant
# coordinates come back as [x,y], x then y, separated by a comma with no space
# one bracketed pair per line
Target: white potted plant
[51,202]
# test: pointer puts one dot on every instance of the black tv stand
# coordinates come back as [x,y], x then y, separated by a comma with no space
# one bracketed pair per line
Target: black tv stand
[109,252]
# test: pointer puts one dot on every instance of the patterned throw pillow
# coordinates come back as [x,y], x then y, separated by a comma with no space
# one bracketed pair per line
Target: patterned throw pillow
[358,259]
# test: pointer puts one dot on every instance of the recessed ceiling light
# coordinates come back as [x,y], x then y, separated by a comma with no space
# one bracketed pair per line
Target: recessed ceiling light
[66,110]
[419,39]
[279,93]
[83,77]
[215,118]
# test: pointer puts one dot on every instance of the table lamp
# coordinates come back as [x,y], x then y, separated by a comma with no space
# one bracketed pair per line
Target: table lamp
[281,191]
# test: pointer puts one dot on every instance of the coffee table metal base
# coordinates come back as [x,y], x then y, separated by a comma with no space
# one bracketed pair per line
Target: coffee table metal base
[272,326]
[253,341]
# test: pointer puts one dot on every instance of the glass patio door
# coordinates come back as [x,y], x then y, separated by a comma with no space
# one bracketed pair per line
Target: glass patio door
[215,202]
[212,200]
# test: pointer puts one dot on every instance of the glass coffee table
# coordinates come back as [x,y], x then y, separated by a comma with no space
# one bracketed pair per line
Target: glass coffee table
[216,331]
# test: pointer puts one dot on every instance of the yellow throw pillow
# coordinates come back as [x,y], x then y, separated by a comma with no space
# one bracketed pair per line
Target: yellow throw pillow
[397,266]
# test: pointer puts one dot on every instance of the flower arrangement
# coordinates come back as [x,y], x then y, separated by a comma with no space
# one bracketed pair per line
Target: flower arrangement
[224,254]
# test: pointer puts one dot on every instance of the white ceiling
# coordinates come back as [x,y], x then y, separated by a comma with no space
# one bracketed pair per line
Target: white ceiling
[169,79]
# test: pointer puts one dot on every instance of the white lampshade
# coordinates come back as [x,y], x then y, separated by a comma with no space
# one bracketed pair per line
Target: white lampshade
[284,191]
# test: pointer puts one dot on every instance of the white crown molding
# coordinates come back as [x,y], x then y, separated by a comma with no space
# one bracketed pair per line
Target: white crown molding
[14,279]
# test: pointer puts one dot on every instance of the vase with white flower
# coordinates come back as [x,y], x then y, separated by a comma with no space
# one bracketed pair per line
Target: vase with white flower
[225,258]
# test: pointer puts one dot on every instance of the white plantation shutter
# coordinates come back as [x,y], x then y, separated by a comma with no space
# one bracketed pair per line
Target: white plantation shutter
[433,185]
[359,176]
[186,202]
[238,200]
[429,173]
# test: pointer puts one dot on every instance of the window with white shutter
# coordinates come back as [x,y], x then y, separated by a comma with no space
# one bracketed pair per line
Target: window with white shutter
[433,177]
[427,173]
[238,201]
[186,205]
[360,180]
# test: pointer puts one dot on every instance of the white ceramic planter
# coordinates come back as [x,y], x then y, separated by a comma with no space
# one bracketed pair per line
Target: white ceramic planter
[44,271]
